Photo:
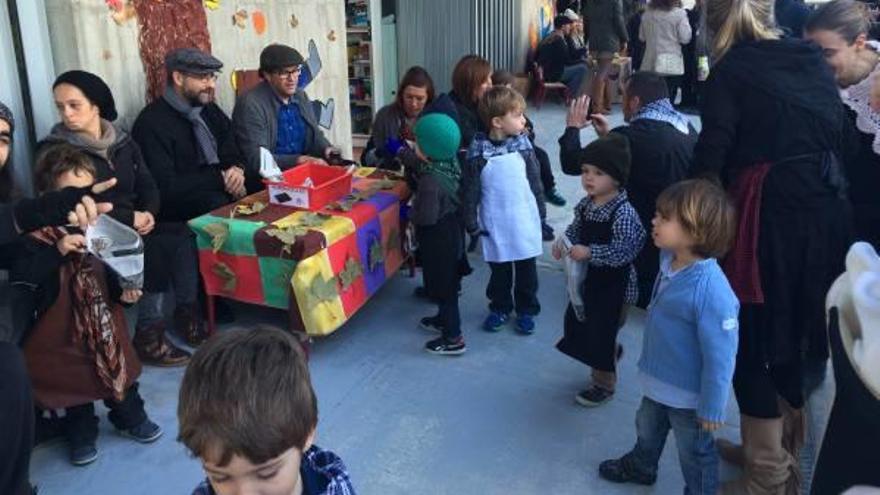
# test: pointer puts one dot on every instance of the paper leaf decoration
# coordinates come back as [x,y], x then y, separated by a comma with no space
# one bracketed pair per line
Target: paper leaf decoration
[386,184]
[393,241]
[239,19]
[377,254]
[258,18]
[246,209]
[313,219]
[212,4]
[331,36]
[230,280]
[287,236]
[321,291]
[294,22]
[219,232]
[350,273]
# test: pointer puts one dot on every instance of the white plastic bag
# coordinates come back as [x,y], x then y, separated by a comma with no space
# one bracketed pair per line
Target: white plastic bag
[268,167]
[119,247]
[575,274]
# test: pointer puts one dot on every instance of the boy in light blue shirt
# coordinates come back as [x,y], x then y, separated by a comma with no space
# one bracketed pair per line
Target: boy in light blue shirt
[690,340]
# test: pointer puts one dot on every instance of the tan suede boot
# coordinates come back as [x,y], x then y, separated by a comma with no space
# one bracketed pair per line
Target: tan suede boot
[769,468]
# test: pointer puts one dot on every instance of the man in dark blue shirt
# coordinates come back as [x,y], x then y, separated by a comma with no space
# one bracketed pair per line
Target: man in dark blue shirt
[276,116]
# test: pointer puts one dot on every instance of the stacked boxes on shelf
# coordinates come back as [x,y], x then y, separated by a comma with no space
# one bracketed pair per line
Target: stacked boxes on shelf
[360,66]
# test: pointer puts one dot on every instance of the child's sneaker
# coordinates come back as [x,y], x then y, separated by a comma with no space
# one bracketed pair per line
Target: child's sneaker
[623,470]
[554,198]
[495,321]
[594,396]
[146,432]
[432,324]
[443,347]
[525,324]
[83,453]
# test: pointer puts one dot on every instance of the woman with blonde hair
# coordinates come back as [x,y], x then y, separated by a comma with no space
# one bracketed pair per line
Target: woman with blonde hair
[772,128]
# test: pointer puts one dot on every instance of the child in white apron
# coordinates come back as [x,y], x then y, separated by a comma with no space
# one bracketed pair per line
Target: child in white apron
[503,202]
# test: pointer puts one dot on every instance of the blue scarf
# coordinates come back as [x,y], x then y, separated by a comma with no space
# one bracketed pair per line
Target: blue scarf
[663,111]
[484,147]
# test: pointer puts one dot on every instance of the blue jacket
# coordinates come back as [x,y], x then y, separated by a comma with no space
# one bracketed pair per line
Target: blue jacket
[692,333]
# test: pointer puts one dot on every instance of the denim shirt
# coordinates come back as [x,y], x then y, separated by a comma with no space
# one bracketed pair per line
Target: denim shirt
[291,130]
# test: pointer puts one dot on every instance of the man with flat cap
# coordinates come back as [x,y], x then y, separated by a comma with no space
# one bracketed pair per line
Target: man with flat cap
[187,140]
[276,116]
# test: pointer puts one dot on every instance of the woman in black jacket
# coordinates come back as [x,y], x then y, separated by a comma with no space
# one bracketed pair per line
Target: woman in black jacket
[87,109]
[772,129]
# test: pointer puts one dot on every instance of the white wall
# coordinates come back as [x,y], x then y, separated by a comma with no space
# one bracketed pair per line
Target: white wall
[83,36]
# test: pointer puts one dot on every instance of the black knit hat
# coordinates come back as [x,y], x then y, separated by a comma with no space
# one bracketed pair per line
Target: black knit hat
[610,154]
[6,114]
[95,89]
[275,57]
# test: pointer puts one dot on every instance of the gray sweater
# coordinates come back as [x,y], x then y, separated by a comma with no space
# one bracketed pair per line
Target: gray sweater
[607,27]
[255,124]
[431,202]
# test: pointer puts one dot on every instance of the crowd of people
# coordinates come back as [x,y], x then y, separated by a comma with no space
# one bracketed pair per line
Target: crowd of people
[729,237]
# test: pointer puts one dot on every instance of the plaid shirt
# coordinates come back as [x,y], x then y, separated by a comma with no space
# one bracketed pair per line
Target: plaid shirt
[318,463]
[627,237]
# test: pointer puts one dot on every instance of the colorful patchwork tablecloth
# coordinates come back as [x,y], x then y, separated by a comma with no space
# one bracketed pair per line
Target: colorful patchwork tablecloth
[321,266]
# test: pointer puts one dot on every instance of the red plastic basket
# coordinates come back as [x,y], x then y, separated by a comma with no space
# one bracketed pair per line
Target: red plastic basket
[329,184]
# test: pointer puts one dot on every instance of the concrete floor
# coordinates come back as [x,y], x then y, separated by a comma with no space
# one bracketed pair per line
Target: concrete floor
[499,420]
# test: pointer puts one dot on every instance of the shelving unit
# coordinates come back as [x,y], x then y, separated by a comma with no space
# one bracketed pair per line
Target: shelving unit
[361,69]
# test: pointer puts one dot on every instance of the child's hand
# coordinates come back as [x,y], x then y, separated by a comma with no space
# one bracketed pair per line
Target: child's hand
[710,426]
[556,252]
[73,243]
[144,222]
[131,296]
[580,252]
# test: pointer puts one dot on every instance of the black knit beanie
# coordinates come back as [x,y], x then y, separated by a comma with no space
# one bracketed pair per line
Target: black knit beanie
[95,89]
[6,114]
[610,154]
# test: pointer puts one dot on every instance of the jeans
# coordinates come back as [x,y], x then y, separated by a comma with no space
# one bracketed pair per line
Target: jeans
[185,280]
[818,399]
[696,448]
[81,424]
[525,289]
[573,76]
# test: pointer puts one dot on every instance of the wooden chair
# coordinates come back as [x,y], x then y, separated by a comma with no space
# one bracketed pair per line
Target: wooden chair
[244,80]
[542,86]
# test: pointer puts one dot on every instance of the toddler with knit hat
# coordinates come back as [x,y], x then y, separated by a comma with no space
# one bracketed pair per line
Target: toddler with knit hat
[607,235]
[439,228]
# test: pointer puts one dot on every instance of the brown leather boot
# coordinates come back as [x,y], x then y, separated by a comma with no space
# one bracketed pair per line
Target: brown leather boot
[188,324]
[154,349]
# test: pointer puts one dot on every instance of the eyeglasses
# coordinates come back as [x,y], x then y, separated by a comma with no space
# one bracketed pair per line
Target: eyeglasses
[203,77]
[289,74]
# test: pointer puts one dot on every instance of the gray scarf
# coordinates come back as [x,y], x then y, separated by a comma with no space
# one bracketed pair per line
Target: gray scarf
[204,137]
[100,146]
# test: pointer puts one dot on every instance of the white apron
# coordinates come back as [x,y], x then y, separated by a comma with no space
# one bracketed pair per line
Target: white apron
[508,211]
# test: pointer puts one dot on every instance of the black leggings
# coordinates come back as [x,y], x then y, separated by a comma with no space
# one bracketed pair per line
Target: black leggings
[81,424]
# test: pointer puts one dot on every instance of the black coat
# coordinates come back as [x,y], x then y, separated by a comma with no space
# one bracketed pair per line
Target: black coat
[661,156]
[791,16]
[554,54]
[862,167]
[467,118]
[169,146]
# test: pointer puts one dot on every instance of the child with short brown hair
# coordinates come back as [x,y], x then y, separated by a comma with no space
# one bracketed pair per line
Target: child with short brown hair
[690,340]
[503,201]
[248,411]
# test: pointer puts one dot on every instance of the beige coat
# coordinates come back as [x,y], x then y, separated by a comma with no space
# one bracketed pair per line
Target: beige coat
[664,31]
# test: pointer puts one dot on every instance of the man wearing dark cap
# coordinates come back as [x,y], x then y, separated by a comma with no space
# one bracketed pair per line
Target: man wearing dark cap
[187,140]
[275,116]
[662,143]
[559,60]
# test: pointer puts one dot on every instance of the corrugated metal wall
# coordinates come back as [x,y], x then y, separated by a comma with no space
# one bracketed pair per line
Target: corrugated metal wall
[497,31]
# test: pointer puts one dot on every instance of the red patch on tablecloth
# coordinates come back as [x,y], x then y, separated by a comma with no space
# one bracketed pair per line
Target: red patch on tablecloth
[246,269]
[356,294]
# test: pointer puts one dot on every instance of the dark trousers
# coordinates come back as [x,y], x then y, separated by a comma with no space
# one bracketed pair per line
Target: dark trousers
[448,313]
[81,424]
[673,83]
[547,179]
[696,448]
[16,421]
[185,280]
[520,277]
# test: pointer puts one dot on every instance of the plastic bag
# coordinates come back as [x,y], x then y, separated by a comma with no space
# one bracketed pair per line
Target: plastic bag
[119,247]
[575,274]
[268,167]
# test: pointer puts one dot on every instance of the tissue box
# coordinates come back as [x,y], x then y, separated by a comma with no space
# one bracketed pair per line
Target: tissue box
[329,184]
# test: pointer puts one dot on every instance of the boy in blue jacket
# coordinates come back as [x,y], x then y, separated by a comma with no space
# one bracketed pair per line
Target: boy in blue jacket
[690,340]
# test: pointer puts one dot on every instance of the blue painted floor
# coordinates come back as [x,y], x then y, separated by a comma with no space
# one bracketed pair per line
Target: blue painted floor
[499,420]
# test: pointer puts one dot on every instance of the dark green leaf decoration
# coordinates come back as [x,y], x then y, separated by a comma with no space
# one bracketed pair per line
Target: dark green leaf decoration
[219,232]
[230,280]
[393,241]
[321,291]
[377,254]
[247,209]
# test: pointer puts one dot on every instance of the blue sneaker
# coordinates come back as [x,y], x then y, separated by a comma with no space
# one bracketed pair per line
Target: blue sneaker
[495,321]
[525,324]
[146,432]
